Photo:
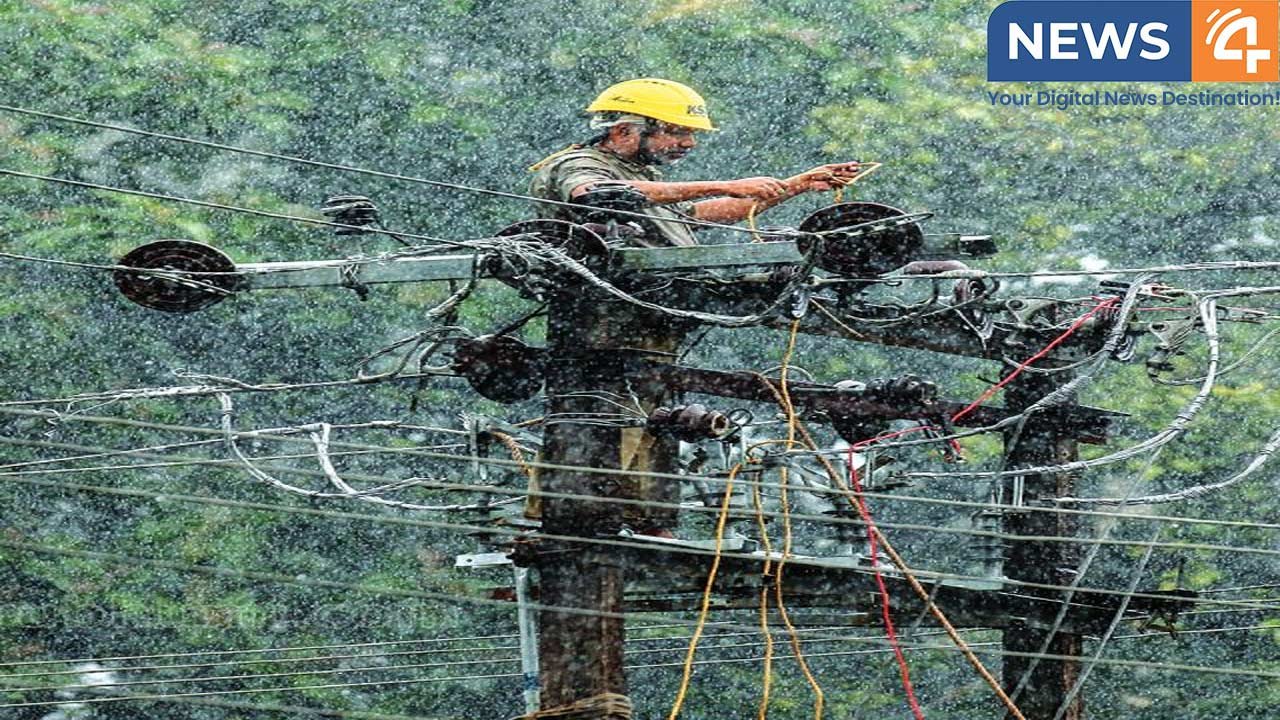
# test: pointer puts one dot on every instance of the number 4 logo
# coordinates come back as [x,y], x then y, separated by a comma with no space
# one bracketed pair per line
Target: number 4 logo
[1249,26]
[1239,41]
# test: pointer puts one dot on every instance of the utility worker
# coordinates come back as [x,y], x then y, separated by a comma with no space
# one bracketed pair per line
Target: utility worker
[647,123]
[641,125]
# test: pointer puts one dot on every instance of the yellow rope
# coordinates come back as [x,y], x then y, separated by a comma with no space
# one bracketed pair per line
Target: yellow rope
[792,422]
[706,594]
[767,681]
[864,170]
[516,453]
[838,482]
[840,323]
[751,223]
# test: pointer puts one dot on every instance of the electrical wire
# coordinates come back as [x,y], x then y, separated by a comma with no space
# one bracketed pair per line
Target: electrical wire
[488,489]
[1068,700]
[295,648]
[1187,267]
[978,647]
[907,574]
[346,168]
[665,476]
[231,386]
[787,517]
[311,582]
[293,710]
[168,667]
[504,659]
[198,203]
[1082,570]
[150,449]
[1196,491]
[720,646]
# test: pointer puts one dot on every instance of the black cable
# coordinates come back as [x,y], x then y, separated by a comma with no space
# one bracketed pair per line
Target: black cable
[219,206]
[348,168]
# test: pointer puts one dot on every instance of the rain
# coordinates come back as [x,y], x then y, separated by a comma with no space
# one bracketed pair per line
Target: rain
[665,359]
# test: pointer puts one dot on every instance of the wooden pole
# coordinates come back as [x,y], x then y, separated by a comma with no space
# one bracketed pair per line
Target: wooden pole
[580,652]
[1045,439]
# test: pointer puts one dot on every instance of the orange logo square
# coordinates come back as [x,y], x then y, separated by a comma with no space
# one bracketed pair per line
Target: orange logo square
[1235,41]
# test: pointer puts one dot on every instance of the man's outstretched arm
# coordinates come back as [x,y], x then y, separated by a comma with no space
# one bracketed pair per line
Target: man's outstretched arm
[737,209]
[755,189]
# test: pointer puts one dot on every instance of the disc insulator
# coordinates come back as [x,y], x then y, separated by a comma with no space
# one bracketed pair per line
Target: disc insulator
[866,251]
[185,287]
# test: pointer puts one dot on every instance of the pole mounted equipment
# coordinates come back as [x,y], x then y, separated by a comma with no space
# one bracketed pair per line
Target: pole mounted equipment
[690,423]
[356,211]
[500,367]
[862,239]
[195,276]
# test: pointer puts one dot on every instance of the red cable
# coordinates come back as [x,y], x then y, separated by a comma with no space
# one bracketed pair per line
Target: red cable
[1047,349]
[865,512]
[903,670]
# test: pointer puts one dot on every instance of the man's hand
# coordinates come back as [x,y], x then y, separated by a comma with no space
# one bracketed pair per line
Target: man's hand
[767,189]
[824,177]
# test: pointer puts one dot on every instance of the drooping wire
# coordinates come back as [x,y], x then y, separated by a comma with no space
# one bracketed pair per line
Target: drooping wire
[519,493]
[445,456]
[904,671]
[208,205]
[705,606]
[336,166]
[792,422]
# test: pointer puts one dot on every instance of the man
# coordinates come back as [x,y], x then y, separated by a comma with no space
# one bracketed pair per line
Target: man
[647,123]
[642,125]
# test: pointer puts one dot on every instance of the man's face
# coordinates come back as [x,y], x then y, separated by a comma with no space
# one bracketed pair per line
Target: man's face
[670,143]
[665,144]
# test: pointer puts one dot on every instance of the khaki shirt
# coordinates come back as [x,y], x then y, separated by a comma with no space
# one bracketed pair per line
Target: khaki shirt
[564,172]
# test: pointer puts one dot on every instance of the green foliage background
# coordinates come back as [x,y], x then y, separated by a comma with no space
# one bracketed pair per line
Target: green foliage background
[474,91]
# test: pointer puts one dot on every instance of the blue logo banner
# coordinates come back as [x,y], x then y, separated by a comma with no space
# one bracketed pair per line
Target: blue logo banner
[1087,41]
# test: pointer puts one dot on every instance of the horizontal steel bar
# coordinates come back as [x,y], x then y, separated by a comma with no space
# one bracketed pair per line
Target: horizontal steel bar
[312,273]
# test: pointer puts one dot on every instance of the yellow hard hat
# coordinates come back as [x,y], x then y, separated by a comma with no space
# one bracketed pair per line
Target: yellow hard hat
[664,100]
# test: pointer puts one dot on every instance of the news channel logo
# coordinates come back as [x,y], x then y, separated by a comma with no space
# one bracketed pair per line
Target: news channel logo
[1128,40]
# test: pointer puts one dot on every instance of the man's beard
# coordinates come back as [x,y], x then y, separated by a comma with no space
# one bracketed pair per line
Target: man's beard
[668,157]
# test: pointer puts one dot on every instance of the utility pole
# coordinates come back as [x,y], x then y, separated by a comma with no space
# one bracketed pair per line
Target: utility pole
[1043,440]
[580,648]
[581,629]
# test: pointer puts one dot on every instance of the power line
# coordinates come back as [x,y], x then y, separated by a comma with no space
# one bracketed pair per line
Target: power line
[295,648]
[824,519]
[978,647]
[9,469]
[253,661]
[1196,491]
[719,646]
[514,533]
[717,636]
[447,597]
[229,385]
[289,709]
[376,668]
[262,676]
[352,169]
[198,203]
[1187,267]
[511,464]
[256,691]
[1242,588]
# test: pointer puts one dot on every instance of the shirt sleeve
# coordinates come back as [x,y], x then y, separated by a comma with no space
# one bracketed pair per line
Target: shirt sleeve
[578,171]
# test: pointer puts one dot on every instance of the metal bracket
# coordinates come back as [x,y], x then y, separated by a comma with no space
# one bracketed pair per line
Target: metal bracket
[479,560]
